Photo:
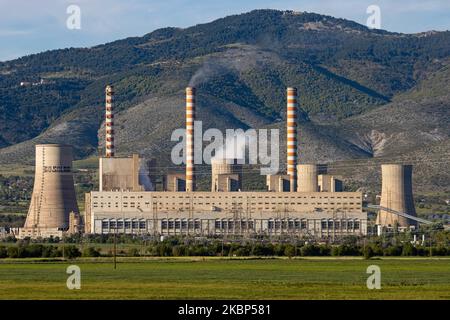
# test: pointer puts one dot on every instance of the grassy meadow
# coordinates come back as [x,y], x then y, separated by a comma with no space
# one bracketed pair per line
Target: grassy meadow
[219,278]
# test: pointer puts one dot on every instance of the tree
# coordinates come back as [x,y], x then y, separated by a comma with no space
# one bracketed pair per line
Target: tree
[91,252]
[13,252]
[289,251]
[3,252]
[72,252]
[134,252]
[368,252]
[408,250]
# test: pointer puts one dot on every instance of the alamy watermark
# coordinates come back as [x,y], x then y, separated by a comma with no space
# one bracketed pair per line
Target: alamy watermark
[374,280]
[374,20]
[74,279]
[73,22]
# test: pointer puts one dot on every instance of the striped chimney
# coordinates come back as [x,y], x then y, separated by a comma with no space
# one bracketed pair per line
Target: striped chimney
[292,137]
[109,122]
[190,117]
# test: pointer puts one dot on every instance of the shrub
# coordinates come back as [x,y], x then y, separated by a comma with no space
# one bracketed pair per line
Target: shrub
[377,249]
[13,252]
[33,250]
[368,252]
[349,250]
[335,251]
[289,251]
[438,251]
[258,250]
[200,250]
[393,251]
[91,252]
[51,252]
[278,249]
[3,252]
[242,252]
[408,250]
[324,250]
[178,250]
[134,252]
[309,250]
[164,249]
[71,252]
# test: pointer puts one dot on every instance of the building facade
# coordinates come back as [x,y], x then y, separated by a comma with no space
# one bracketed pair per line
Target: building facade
[318,214]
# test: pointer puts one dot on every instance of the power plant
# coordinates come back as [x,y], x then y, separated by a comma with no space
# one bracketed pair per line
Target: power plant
[53,197]
[305,201]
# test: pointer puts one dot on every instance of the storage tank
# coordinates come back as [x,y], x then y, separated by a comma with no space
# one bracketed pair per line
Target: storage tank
[307,178]
[396,194]
[53,193]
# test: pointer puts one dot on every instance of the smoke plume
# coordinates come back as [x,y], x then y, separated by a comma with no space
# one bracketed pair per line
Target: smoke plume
[233,60]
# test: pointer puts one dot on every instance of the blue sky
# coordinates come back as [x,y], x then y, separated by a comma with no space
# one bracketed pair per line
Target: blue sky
[29,26]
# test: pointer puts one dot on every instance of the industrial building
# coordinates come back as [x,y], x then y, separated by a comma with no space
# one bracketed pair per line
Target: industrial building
[313,207]
[120,174]
[215,213]
[306,201]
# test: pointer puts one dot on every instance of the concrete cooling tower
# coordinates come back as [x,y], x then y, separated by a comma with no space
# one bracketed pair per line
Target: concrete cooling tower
[307,180]
[396,194]
[53,196]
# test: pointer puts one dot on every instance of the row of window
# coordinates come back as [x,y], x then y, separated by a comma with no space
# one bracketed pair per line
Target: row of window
[167,205]
[234,225]
[287,224]
[229,197]
[230,224]
[338,225]
[124,224]
[180,224]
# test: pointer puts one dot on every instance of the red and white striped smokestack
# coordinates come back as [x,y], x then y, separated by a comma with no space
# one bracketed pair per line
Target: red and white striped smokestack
[109,122]
[190,117]
[292,137]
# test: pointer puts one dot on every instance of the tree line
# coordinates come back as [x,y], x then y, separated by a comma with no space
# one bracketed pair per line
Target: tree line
[217,248]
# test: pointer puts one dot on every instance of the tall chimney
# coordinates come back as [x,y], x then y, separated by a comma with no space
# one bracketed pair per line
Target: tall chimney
[292,137]
[190,117]
[109,122]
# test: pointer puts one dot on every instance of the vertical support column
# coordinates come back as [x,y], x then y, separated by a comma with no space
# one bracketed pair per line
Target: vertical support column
[136,164]
[109,122]
[292,137]
[190,117]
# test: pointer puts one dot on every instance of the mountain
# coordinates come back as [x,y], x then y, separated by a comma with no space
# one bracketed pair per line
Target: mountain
[364,94]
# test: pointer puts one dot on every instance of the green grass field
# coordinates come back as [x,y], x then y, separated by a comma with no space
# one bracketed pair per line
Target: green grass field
[212,278]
